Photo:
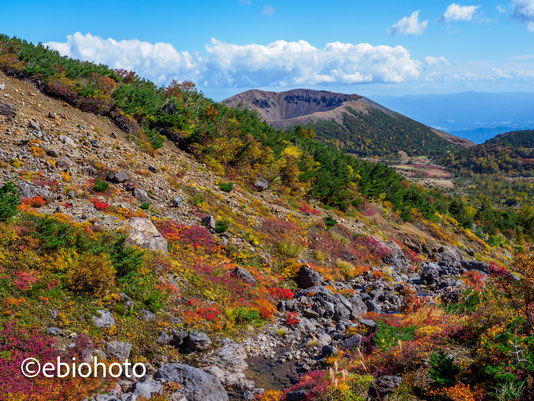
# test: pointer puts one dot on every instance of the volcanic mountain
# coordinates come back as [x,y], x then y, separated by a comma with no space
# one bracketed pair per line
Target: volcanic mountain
[351,122]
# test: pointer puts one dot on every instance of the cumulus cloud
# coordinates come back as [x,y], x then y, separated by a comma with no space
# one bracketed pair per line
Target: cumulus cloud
[280,63]
[501,9]
[159,61]
[268,10]
[523,12]
[456,12]
[409,25]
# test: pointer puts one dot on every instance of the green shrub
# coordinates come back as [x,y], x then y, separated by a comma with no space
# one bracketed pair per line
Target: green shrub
[226,186]
[125,259]
[442,368]
[288,249]
[329,222]
[9,201]
[154,302]
[222,226]
[247,315]
[389,336]
[145,205]
[100,185]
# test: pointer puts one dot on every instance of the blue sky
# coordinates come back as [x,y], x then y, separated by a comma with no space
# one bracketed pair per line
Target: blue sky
[368,47]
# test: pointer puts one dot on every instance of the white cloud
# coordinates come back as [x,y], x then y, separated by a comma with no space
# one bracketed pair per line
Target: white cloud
[245,2]
[501,9]
[523,12]
[159,61]
[277,64]
[456,12]
[409,25]
[268,10]
[436,60]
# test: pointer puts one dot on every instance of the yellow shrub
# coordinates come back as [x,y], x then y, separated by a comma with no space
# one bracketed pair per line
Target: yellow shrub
[93,274]
[346,268]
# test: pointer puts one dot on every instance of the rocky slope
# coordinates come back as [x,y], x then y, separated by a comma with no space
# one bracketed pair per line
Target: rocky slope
[54,153]
[352,120]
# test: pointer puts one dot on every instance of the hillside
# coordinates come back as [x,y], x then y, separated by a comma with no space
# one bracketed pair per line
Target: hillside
[235,261]
[349,122]
[510,154]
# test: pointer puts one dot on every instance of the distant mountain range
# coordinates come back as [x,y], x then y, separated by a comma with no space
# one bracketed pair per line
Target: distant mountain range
[473,115]
[511,153]
[350,122]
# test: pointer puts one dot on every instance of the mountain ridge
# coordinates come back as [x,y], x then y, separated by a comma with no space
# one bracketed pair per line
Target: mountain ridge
[346,118]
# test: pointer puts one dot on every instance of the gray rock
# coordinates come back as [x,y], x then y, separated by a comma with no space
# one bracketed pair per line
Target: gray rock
[384,386]
[370,324]
[163,338]
[476,265]
[119,350]
[429,273]
[261,184]
[373,306]
[209,222]
[177,201]
[396,257]
[119,178]
[63,164]
[308,277]
[351,343]
[54,331]
[146,315]
[144,234]
[27,190]
[153,169]
[244,275]
[104,319]
[32,124]
[195,384]
[141,195]
[328,350]
[52,152]
[146,388]
[197,341]
[358,306]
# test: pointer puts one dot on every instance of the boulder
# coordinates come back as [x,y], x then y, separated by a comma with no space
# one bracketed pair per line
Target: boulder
[119,350]
[358,306]
[244,275]
[476,265]
[118,178]
[143,233]
[195,384]
[104,319]
[140,195]
[396,257]
[308,277]
[27,190]
[177,201]
[261,184]
[197,341]
[209,222]
[351,343]
[63,164]
[146,388]
[429,273]
[384,386]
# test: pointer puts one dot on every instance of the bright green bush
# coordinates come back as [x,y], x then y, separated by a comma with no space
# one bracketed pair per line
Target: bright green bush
[9,201]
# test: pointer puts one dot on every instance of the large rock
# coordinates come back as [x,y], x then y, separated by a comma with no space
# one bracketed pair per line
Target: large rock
[141,195]
[27,190]
[119,350]
[197,341]
[144,234]
[308,277]
[244,275]
[449,257]
[195,384]
[396,257]
[209,222]
[104,319]
[476,265]
[384,386]
[261,184]
[351,343]
[429,273]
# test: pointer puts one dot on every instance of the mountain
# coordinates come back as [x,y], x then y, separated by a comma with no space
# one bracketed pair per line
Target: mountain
[511,153]
[350,122]
[473,115]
